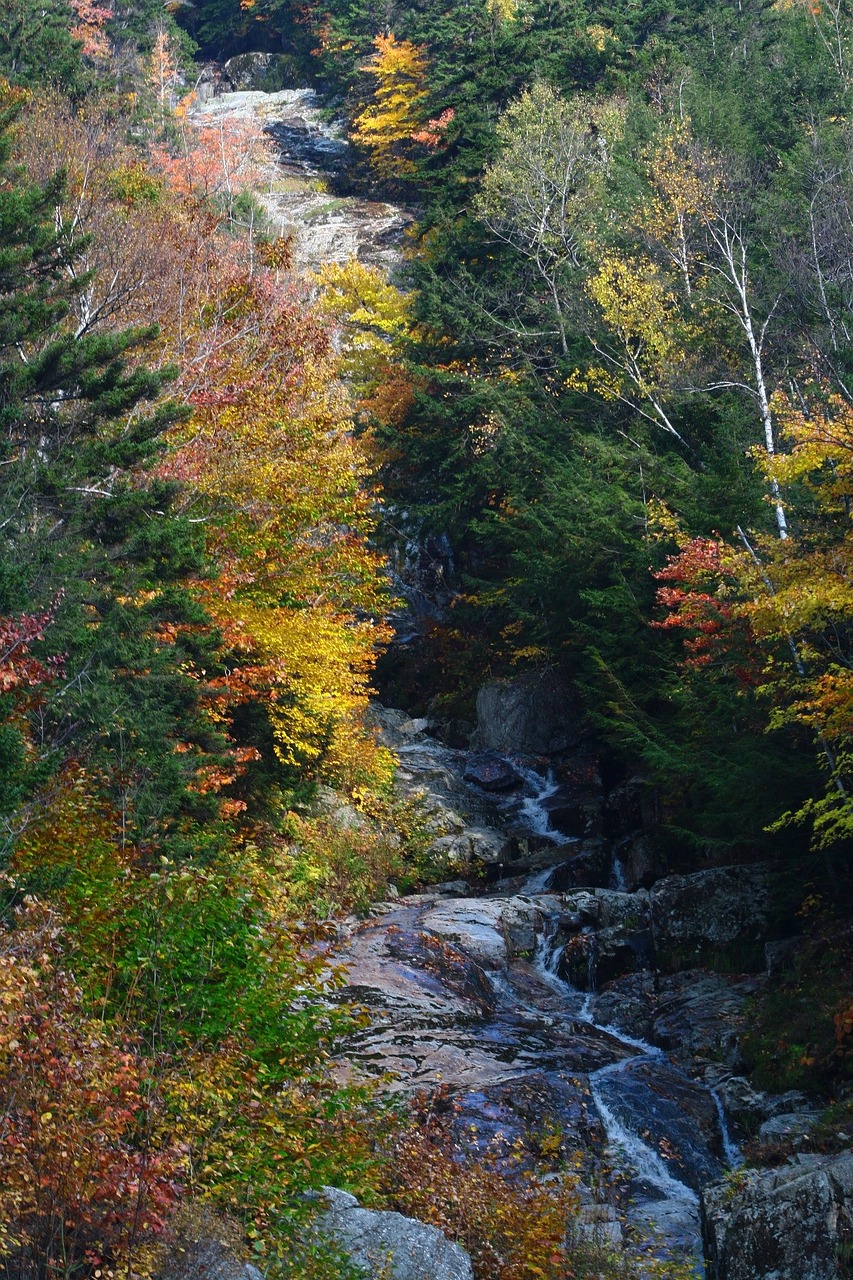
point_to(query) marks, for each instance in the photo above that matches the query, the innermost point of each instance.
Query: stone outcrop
(793, 1223)
(637, 862)
(608, 936)
(701, 1016)
(249, 71)
(389, 1245)
(491, 772)
(713, 908)
(530, 715)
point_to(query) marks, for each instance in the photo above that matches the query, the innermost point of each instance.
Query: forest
(604, 411)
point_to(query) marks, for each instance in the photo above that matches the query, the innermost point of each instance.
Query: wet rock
(388, 1244)
(790, 1127)
(474, 844)
(464, 822)
(395, 728)
(611, 936)
(530, 715)
(491, 772)
(457, 971)
(605, 908)
(637, 863)
(673, 1115)
(701, 1015)
(711, 908)
(439, 1015)
(627, 1004)
(590, 866)
(793, 1223)
(473, 923)
(508, 1121)
(576, 807)
(743, 1104)
(325, 225)
(619, 951)
(571, 814)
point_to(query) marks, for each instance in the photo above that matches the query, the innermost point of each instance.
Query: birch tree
(703, 225)
(541, 194)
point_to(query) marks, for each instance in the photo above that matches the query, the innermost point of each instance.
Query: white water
(546, 962)
(632, 1151)
(540, 882)
(618, 871)
(731, 1150)
(629, 1149)
(532, 811)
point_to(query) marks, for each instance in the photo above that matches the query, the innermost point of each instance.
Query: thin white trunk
(733, 252)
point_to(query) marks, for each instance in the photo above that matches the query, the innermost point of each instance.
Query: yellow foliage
(270, 449)
(681, 193)
(398, 107)
(600, 37)
(501, 11)
(648, 343)
(375, 316)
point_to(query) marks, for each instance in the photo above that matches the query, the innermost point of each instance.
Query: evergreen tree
(37, 47)
(90, 541)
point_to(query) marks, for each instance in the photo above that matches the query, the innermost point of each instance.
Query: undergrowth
(513, 1223)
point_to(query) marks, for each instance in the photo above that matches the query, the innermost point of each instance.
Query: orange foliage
(396, 111)
(80, 1185)
(219, 159)
(91, 21)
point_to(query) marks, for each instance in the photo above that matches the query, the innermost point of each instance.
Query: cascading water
(540, 882)
(532, 812)
(624, 1096)
(734, 1156)
(650, 1168)
(526, 1035)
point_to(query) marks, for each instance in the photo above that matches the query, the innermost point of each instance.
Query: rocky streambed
(543, 1010)
(572, 1012)
(307, 191)
(560, 982)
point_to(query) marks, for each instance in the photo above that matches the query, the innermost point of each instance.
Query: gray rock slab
(377, 1240)
(793, 1223)
(714, 907)
(531, 714)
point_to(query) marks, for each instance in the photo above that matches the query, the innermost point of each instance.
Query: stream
(492, 991)
(493, 995)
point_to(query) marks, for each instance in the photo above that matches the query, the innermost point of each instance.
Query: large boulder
(259, 71)
(389, 1245)
(637, 863)
(491, 772)
(528, 715)
(792, 1223)
(711, 909)
(491, 930)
